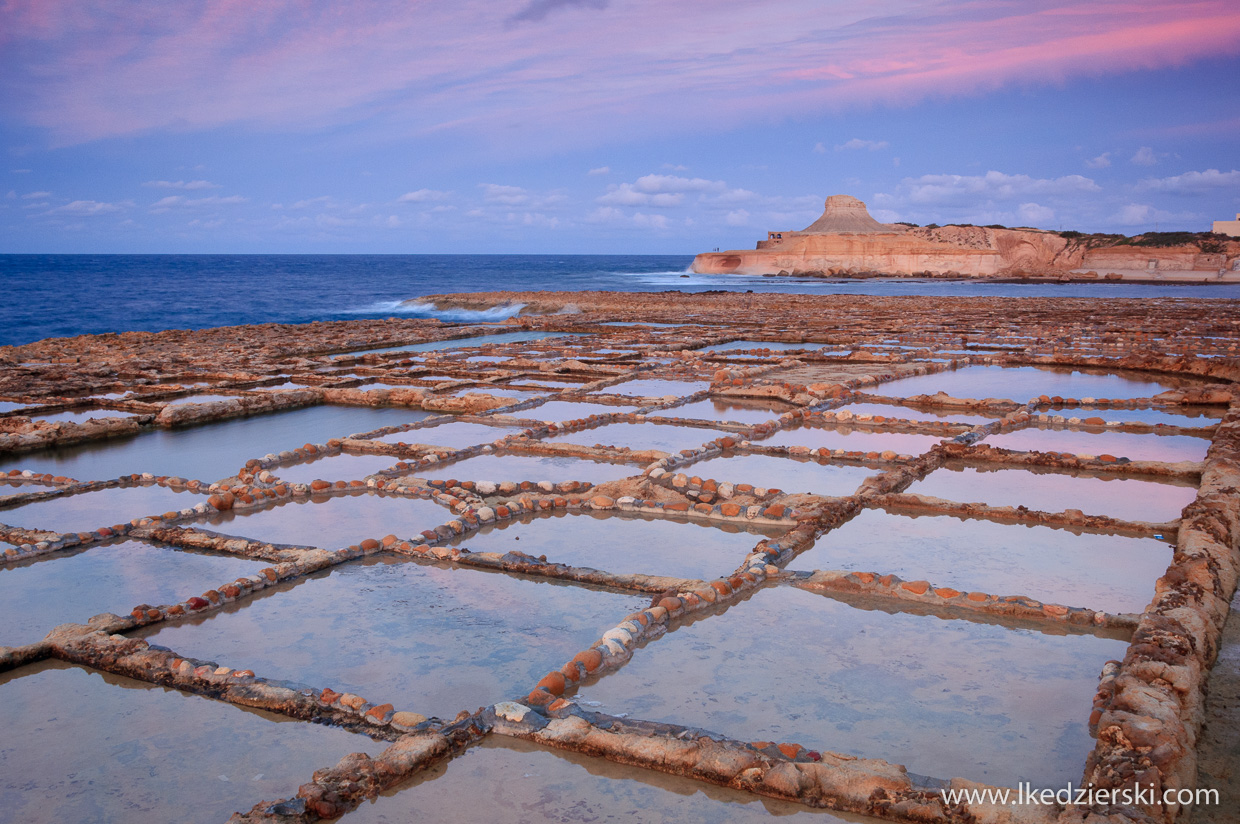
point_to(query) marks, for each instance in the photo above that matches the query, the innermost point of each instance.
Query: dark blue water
(45, 296)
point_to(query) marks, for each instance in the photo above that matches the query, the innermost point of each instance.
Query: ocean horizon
(63, 295)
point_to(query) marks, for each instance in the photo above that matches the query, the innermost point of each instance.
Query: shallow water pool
(88, 511)
(639, 436)
(851, 440)
(514, 781)
(1124, 498)
(625, 544)
(210, 451)
(716, 409)
(1135, 447)
(81, 746)
(333, 522)
(530, 468)
(428, 639)
(1022, 383)
(74, 585)
(945, 698)
(786, 474)
(1102, 572)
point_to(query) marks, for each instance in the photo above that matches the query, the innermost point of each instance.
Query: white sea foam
(429, 310)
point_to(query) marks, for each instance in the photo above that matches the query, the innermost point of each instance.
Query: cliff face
(846, 240)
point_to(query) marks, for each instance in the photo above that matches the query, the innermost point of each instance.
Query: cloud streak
(83, 72)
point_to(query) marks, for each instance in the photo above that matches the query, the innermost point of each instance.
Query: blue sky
(609, 126)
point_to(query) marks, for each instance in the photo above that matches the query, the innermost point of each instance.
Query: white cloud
(606, 214)
(36, 195)
(1144, 157)
(517, 196)
(333, 222)
(90, 207)
(181, 184)
(675, 167)
(508, 195)
(671, 183)
(734, 196)
(660, 191)
(616, 217)
(858, 143)
(20, 171)
(1033, 214)
(819, 148)
(601, 170)
(936, 189)
(626, 194)
(739, 217)
(1100, 162)
(650, 221)
(1191, 182)
(171, 202)
(422, 196)
(322, 200)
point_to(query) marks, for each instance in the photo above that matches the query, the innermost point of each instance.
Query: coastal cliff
(847, 242)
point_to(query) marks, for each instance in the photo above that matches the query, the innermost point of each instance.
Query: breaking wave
(429, 310)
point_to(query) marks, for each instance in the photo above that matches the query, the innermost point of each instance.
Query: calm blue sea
(45, 296)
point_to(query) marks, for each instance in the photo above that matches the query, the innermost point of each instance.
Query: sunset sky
(609, 126)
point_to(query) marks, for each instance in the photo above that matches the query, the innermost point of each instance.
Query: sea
(44, 296)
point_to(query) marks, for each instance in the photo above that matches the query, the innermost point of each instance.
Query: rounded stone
(553, 682)
(591, 659)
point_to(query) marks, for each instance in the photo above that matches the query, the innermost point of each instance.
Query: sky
(603, 126)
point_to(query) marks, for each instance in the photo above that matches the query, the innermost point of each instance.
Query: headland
(847, 242)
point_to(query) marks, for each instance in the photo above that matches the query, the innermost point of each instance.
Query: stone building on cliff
(1228, 227)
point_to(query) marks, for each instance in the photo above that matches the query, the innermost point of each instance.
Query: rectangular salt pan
(528, 783)
(1170, 448)
(341, 467)
(909, 413)
(654, 388)
(427, 639)
(73, 586)
(530, 468)
(87, 511)
(641, 436)
(786, 474)
(625, 545)
(333, 522)
(570, 411)
(851, 440)
(946, 698)
(212, 451)
(774, 346)
(715, 409)
(81, 415)
(453, 435)
(1102, 572)
(84, 746)
(1022, 383)
(1189, 416)
(1124, 498)
(463, 343)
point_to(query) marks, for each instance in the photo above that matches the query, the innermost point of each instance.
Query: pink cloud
(86, 71)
